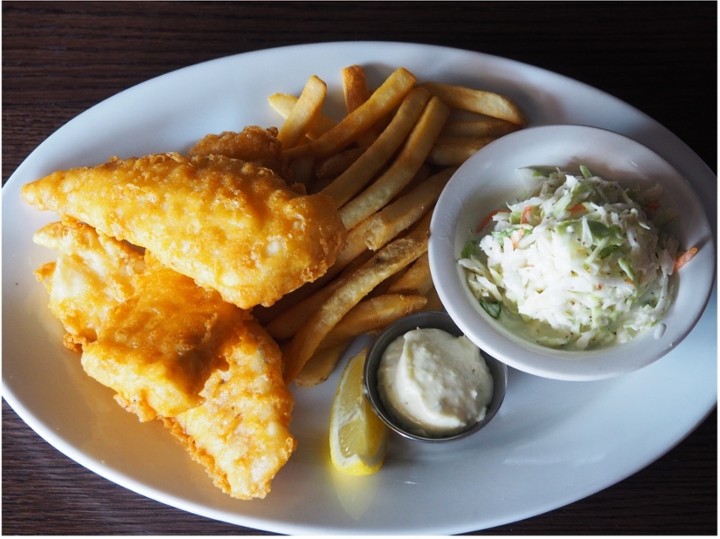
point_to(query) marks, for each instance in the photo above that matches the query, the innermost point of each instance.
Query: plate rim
(247, 520)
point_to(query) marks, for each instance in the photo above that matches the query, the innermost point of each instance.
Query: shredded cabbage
(577, 265)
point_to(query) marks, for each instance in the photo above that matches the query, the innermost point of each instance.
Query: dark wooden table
(59, 58)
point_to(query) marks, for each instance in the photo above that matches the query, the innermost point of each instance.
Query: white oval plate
(547, 447)
(498, 174)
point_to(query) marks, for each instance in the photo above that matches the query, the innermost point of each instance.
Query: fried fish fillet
(230, 225)
(175, 351)
(253, 143)
(159, 347)
(240, 432)
(208, 370)
(92, 274)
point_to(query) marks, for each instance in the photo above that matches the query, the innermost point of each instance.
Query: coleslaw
(580, 264)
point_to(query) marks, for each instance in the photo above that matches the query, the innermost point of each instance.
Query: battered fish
(240, 433)
(174, 351)
(159, 347)
(230, 225)
(92, 274)
(253, 143)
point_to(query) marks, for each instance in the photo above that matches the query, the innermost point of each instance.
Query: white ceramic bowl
(494, 176)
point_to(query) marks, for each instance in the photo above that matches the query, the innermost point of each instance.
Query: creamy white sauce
(434, 382)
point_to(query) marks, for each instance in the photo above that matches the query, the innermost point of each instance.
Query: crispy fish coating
(92, 274)
(230, 225)
(253, 143)
(175, 351)
(240, 433)
(158, 348)
(208, 370)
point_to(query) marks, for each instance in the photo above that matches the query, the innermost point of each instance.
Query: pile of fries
(384, 163)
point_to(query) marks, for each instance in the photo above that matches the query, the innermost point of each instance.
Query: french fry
(405, 211)
(401, 171)
(355, 245)
(284, 103)
(386, 262)
(359, 174)
(355, 91)
(355, 88)
(451, 151)
(479, 101)
(382, 101)
(303, 113)
(423, 173)
(402, 214)
(331, 167)
(320, 366)
(380, 165)
(372, 313)
(482, 126)
(285, 323)
(288, 322)
(417, 279)
(421, 227)
(369, 315)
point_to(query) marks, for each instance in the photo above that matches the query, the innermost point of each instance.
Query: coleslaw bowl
(497, 175)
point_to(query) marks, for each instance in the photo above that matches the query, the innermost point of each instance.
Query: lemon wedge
(357, 436)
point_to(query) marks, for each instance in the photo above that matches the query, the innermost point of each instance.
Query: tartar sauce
(434, 382)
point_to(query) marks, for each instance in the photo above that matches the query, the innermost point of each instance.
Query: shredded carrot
(685, 257)
(577, 208)
(525, 218)
(482, 224)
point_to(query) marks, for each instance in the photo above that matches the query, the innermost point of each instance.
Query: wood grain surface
(60, 58)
